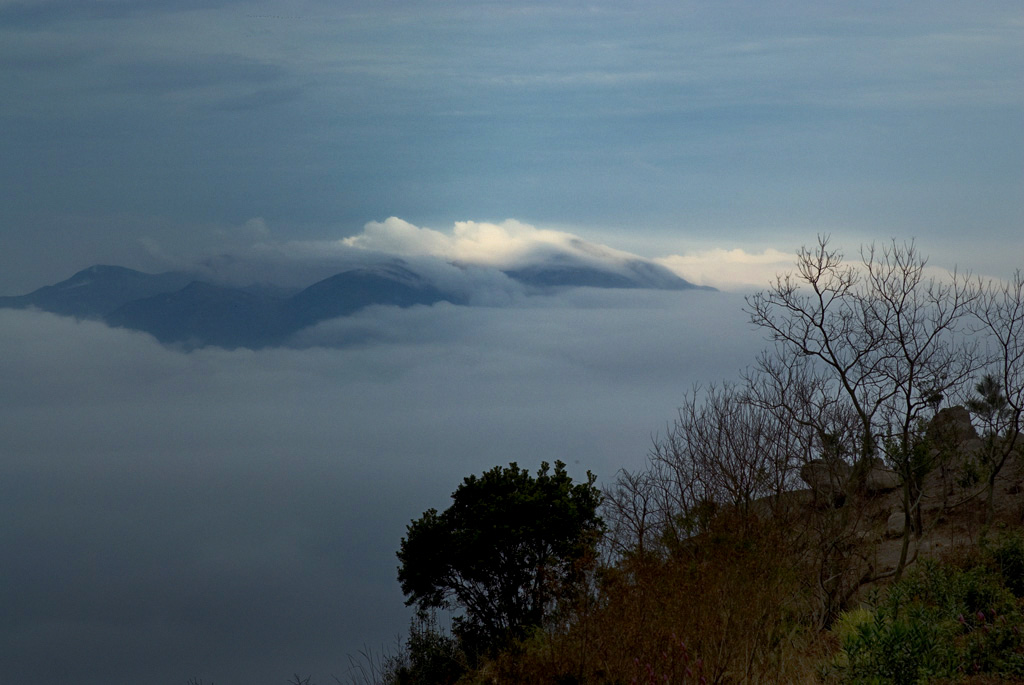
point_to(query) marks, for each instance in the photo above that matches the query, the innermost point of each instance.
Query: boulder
(826, 478)
(881, 478)
(894, 524)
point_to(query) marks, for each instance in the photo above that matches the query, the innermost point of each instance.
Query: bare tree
(821, 424)
(880, 337)
(927, 356)
(824, 431)
(863, 356)
(738, 449)
(636, 510)
(1000, 402)
(819, 317)
(721, 451)
(730, 451)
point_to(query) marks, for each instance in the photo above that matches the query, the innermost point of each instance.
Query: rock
(894, 524)
(951, 426)
(826, 478)
(881, 479)
(972, 446)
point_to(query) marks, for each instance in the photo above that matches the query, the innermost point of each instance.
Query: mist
(234, 515)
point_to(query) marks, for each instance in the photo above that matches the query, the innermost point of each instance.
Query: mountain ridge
(184, 308)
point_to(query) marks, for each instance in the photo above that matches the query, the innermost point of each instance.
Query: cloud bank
(234, 515)
(506, 245)
(469, 257)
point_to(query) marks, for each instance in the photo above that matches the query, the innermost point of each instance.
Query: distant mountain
(97, 291)
(177, 308)
(350, 291)
(203, 314)
(564, 272)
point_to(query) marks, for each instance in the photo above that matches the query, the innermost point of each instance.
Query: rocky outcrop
(826, 479)
(971, 447)
(952, 426)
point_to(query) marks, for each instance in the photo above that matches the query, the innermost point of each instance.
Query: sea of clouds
(234, 515)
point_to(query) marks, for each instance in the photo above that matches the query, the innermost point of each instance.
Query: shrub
(895, 650)
(938, 622)
(1007, 553)
(430, 656)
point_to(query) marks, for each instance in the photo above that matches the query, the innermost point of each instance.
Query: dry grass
(739, 603)
(726, 607)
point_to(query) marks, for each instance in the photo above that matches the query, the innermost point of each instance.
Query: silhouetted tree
(508, 547)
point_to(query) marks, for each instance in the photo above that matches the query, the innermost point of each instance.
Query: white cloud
(469, 256)
(508, 244)
(400, 237)
(470, 251)
(734, 269)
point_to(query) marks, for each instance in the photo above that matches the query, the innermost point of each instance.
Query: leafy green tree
(990, 405)
(992, 408)
(508, 547)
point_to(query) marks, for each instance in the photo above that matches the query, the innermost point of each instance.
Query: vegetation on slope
(719, 565)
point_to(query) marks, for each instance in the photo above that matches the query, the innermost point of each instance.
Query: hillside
(822, 520)
(775, 594)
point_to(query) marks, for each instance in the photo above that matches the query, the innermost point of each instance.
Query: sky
(147, 132)
(233, 515)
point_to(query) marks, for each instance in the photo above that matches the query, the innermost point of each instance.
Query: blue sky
(147, 132)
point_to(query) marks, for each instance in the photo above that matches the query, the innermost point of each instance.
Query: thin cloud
(738, 270)
(36, 14)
